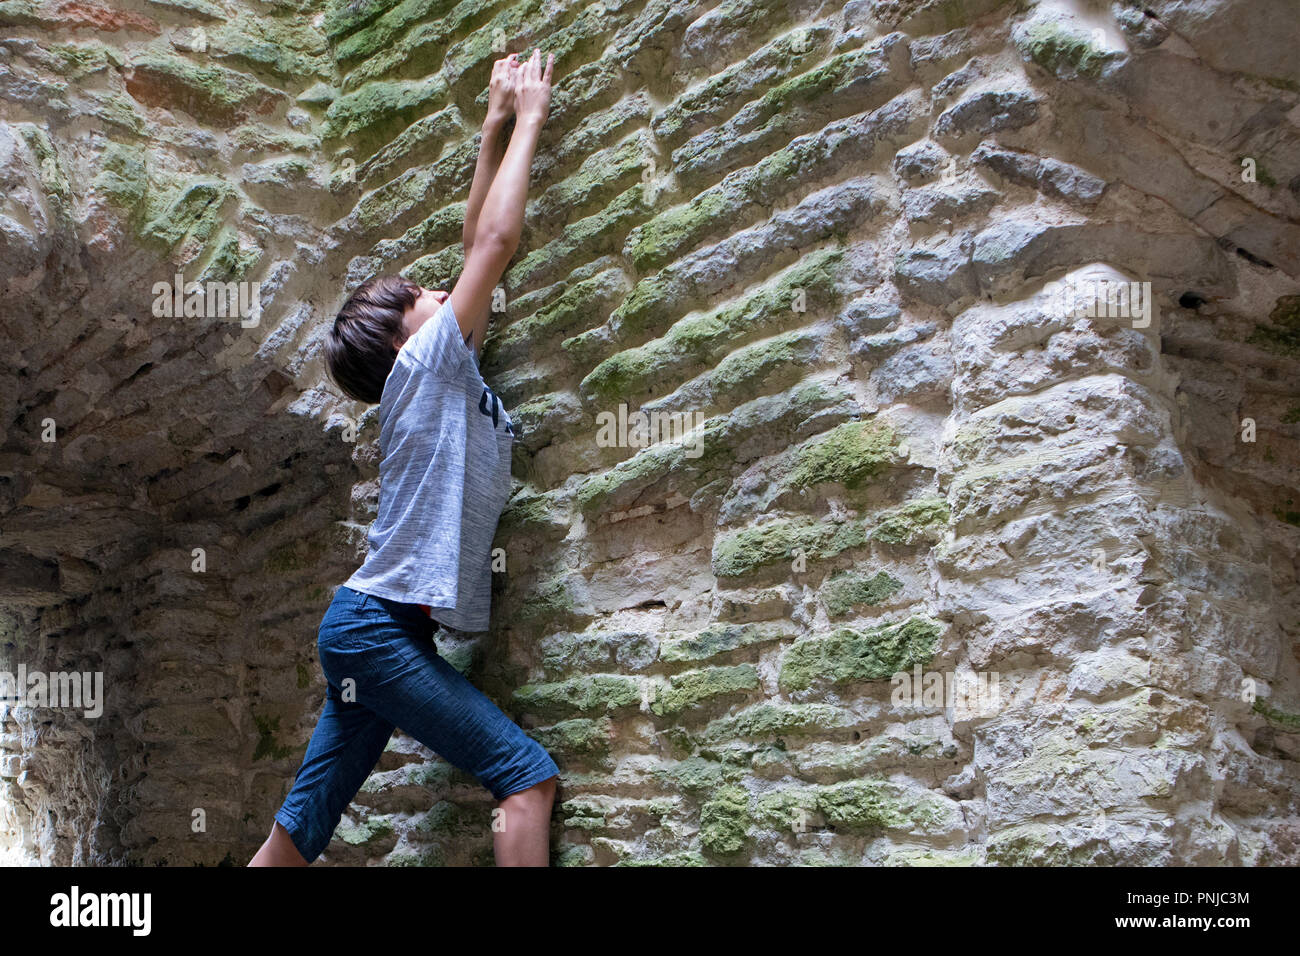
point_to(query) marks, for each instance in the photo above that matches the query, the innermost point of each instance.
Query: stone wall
(835, 236)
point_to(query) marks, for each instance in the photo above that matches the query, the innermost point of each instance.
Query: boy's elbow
(497, 245)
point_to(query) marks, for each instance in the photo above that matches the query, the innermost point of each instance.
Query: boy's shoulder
(438, 346)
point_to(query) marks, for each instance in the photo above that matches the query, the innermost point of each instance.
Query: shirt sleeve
(438, 344)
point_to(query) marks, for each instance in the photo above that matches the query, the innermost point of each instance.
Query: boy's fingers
(536, 63)
(550, 62)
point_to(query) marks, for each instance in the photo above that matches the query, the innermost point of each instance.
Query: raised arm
(499, 223)
(501, 103)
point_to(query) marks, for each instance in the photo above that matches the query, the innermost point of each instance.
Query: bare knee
(278, 850)
(539, 794)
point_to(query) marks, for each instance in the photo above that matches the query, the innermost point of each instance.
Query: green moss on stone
(724, 821)
(580, 815)
(1061, 51)
(203, 90)
(1282, 334)
(373, 828)
(575, 855)
(848, 654)
(267, 748)
(780, 360)
(773, 720)
(443, 227)
(581, 735)
(1038, 845)
(288, 47)
(653, 298)
(773, 542)
(589, 237)
(18, 12)
(709, 99)
(461, 658)
(666, 464)
(583, 303)
(912, 521)
(260, 138)
(1262, 175)
(1288, 720)
(817, 84)
(666, 236)
(49, 170)
(847, 590)
(231, 261)
(930, 858)
(434, 776)
(448, 819)
(433, 270)
(849, 454)
(671, 859)
(605, 692)
(77, 62)
(635, 471)
(699, 774)
(690, 688)
(714, 640)
(533, 513)
(608, 171)
(857, 806)
(549, 601)
(344, 16)
(380, 108)
(192, 211)
(115, 109)
(285, 558)
(432, 856)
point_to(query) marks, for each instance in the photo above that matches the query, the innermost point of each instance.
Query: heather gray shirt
(444, 477)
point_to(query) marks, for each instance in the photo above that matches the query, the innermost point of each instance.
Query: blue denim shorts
(384, 671)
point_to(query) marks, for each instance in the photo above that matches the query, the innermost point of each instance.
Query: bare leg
(278, 850)
(523, 837)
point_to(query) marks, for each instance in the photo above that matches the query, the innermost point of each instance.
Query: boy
(444, 478)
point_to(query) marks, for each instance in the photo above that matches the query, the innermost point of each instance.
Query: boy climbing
(445, 442)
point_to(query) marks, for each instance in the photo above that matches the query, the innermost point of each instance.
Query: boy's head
(373, 324)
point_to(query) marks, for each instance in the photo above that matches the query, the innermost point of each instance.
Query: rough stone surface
(828, 233)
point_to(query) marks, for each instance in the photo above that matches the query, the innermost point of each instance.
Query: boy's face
(429, 302)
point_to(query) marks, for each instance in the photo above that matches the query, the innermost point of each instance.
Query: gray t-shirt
(444, 478)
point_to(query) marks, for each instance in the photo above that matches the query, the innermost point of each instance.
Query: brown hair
(362, 346)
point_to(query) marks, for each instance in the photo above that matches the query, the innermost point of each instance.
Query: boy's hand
(533, 87)
(501, 89)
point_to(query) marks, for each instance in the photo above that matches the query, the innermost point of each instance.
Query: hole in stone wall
(1190, 300)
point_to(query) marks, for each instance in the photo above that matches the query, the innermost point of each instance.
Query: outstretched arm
(501, 103)
(500, 221)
